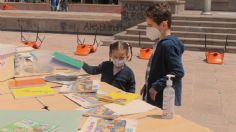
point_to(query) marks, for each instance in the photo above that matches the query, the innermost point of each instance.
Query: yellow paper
(32, 91)
(119, 97)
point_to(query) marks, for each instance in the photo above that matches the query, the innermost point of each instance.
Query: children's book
(32, 91)
(100, 111)
(25, 66)
(62, 121)
(81, 85)
(75, 89)
(65, 89)
(26, 83)
(87, 86)
(93, 124)
(134, 107)
(131, 125)
(86, 100)
(62, 65)
(121, 98)
(29, 126)
(67, 60)
(62, 79)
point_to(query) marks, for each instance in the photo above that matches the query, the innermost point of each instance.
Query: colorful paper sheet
(32, 91)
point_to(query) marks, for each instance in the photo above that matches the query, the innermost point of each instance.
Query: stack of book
(66, 61)
(100, 111)
(94, 124)
(86, 100)
(30, 88)
(121, 98)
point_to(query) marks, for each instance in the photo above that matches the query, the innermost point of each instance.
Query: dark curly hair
(159, 12)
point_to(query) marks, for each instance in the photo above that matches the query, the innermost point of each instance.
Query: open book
(100, 111)
(36, 91)
(66, 61)
(28, 126)
(86, 100)
(26, 83)
(94, 124)
(121, 98)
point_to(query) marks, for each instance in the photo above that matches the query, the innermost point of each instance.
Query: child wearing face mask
(166, 58)
(115, 72)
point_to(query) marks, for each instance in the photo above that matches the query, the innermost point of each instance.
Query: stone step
(134, 31)
(204, 18)
(204, 29)
(192, 47)
(200, 41)
(131, 37)
(142, 25)
(202, 35)
(133, 43)
(224, 24)
(61, 22)
(198, 29)
(215, 48)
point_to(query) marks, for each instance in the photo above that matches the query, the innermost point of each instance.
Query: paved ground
(209, 91)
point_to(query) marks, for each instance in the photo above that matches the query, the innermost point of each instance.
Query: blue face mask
(118, 63)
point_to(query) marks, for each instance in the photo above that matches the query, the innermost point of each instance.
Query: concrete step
(197, 29)
(224, 24)
(201, 35)
(215, 48)
(59, 15)
(61, 22)
(204, 18)
(134, 31)
(199, 41)
(131, 37)
(191, 31)
(133, 43)
(191, 47)
(204, 29)
(142, 25)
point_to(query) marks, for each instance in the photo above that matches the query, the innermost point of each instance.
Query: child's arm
(131, 87)
(94, 70)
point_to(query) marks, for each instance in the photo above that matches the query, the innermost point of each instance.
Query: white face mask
(118, 63)
(153, 33)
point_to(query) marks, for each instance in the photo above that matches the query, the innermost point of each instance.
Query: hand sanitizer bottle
(168, 99)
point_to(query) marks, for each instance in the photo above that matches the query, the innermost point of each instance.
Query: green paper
(67, 121)
(28, 126)
(68, 60)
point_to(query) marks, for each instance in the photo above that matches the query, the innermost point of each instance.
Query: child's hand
(80, 60)
(142, 90)
(153, 93)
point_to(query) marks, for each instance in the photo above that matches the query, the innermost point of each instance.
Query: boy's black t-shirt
(123, 80)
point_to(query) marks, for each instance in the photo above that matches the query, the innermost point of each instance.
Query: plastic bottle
(168, 99)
